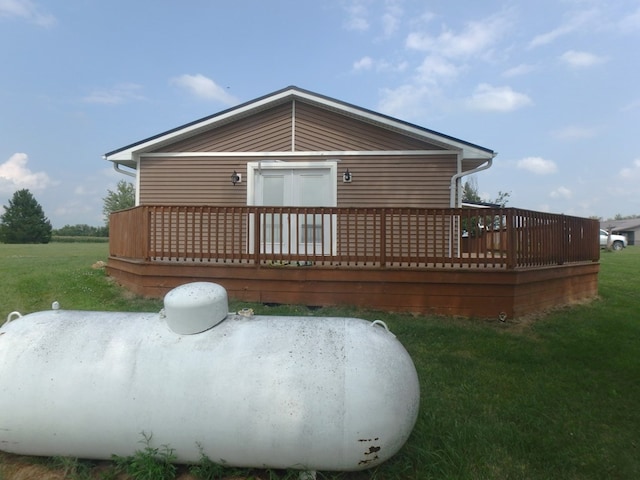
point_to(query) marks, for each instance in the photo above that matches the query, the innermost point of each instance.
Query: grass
(554, 397)
(34, 276)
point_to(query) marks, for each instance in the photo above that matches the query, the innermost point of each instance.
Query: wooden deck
(463, 262)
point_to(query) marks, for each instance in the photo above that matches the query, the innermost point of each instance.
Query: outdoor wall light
(236, 177)
(347, 177)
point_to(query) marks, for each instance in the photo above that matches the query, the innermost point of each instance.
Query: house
(368, 205)
(629, 227)
(283, 142)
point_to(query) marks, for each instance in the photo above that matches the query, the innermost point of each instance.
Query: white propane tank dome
(195, 307)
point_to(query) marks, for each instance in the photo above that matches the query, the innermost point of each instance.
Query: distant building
(630, 228)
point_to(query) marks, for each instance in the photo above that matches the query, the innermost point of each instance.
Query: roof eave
(470, 151)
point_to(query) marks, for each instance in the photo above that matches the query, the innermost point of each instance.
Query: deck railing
(376, 237)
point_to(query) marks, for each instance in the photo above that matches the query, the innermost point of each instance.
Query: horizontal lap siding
(407, 181)
(265, 131)
(192, 181)
(318, 129)
(378, 180)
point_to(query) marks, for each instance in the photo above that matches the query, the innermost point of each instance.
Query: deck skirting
(467, 292)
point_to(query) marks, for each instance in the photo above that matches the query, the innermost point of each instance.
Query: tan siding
(262, 132)
(413, 181)
(318, 129)
(410, 181)
(191, 181)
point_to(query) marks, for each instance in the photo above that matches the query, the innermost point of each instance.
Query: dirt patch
(16, 467)
(20, 467)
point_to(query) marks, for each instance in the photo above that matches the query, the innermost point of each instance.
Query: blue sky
(553, 86)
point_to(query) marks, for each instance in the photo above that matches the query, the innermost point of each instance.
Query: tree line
(24, 220)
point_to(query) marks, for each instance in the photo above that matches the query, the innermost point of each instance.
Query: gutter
(454, 180)
(117, 168)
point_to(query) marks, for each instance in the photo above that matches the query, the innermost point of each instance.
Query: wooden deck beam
(454, 291)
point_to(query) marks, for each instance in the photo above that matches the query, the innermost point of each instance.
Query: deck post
(145, 234)
(256, 239)
(383, 238)
(511, 240)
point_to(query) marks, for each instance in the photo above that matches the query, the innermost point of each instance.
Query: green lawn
(556, 397)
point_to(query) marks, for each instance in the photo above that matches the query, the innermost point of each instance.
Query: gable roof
(126, 153)
(621, 225)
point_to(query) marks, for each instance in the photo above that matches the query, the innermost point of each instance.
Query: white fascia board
(446, 142)
(124, 156)
(194, 128)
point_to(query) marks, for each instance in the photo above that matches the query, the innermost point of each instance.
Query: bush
(74, 239)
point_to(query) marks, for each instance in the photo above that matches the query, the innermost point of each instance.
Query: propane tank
(312, 393)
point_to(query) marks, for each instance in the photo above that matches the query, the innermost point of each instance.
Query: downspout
(454, 191)
(454, 180)
(134, 174)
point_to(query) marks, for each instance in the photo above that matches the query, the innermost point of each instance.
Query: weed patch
(150, 463)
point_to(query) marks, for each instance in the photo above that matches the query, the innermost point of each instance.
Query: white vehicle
(618, 242)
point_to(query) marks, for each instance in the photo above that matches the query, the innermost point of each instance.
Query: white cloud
(27, 10)
(580, 59)
(356, 17)
(575, 22)
(538, 165)
(474, 39)
(365, 63)
(544, 207)
(631, 173)
(435, 68)
(407, 101)
(204, 87)
(391, 19)
(497, 99)
(631, 22)
(15, 175)
(561, 192)
(119, 94)
(632, 105)
(519, 70)
(448, 54)
(574, 132)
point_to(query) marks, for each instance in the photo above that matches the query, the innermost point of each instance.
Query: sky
(552, 86)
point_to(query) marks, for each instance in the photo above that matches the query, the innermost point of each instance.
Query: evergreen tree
(24, 221)
(470, 191)
(123, 197)
(470, 194)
